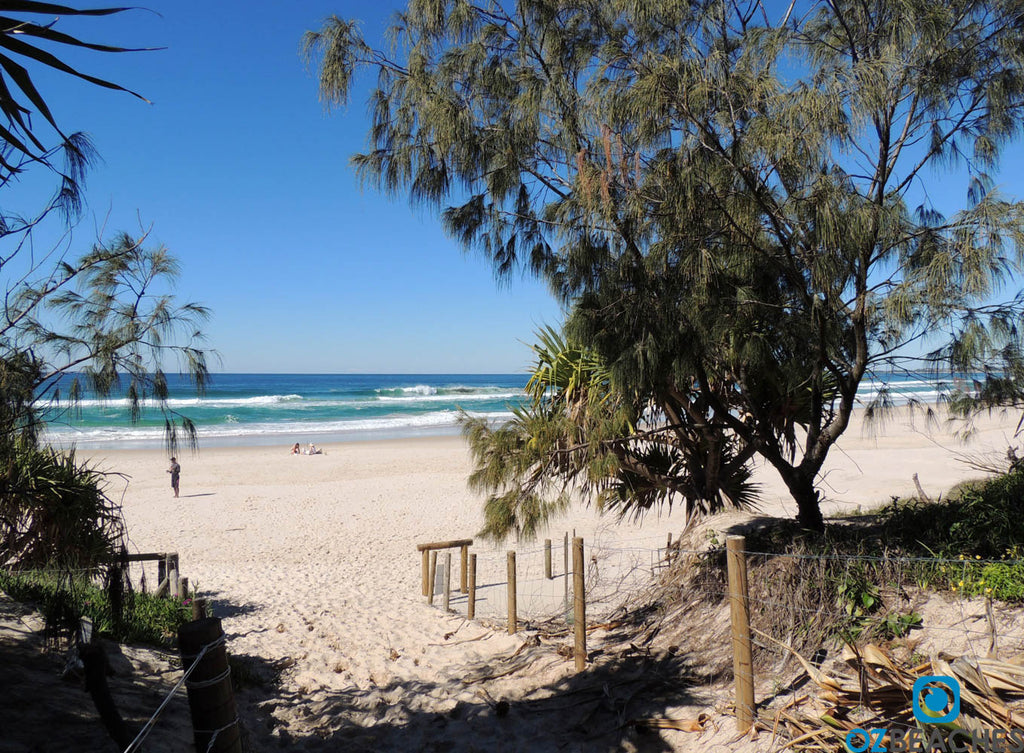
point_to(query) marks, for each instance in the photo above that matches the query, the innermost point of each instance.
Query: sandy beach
(311, 562)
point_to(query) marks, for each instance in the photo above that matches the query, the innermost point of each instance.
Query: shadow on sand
(600, 709)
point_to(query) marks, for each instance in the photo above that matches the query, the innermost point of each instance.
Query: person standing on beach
(175, 471)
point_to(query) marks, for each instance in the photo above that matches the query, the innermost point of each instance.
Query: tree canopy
(28, 36)
(107, 320)
(731, 198)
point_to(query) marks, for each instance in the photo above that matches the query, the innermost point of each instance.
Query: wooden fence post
(447, 580)
(183, 585)
(464, 561)
(425, 575)
(471, 608)
(512, 619)
(198, 609)
(433, 576)
(547, 559)
(739, 611)
(579, 604)
(210, 696)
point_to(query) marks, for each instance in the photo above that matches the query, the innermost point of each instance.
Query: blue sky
(242, 174)
(245, 178)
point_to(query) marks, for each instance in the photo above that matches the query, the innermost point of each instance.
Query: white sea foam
(292, 402)
(450, 398)
(261, 401)
(394, 424)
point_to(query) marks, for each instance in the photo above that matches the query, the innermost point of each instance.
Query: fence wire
(803, 607)
(613, 573)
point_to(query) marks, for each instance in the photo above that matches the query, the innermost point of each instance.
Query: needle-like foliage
(107, 320)
(732, 199)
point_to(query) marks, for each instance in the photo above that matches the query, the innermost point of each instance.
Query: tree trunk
(808, 501)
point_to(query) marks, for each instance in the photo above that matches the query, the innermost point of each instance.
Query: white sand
(312, 562)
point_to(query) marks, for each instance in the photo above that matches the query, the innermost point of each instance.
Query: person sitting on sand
(314, 450)
(295, 449)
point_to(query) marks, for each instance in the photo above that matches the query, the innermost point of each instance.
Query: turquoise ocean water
(266, 409)
(263, 409)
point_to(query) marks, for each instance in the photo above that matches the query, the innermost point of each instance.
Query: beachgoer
(175, 471)
(313, 450)
(295, 449)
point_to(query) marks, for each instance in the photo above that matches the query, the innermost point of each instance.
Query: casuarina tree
(106, 319)
(736, 201)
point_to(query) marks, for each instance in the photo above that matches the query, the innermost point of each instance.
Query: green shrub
(147, 619)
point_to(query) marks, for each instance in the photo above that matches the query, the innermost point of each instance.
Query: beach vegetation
(106, 321)
(31, 136)
(577, 434)
(731, 200)
(142, 618)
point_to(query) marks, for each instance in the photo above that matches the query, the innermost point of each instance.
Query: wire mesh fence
(833, 633)
(544, 578)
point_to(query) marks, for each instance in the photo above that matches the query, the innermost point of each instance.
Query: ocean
(270, 409)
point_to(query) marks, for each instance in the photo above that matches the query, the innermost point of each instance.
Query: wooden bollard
(579, 603)
(210, 695)
(426, 571)
(513, 625)
(547, 559)
(739, 612)
(464, 562)
(447, 579)
(471, 606)
(183, 586)
(433, 576)
(668, 548)
(198, 609)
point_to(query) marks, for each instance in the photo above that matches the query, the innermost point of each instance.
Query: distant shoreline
(269, 440)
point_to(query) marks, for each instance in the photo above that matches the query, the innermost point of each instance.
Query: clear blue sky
(243, 175)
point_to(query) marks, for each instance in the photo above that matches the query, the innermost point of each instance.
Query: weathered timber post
(739, 611)
(426, 571)
(547, 559)
(463, 568)
(447, 580)
(198, 609)
(579, 604)
(471, 607)
(183, 586)
(512, 619)
(668, 548)
(210, 696)
(433, 576)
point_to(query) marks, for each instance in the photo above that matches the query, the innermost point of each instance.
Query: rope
(148, 726)
(199, 684)
(216, 732)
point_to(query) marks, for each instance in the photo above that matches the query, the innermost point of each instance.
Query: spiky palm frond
(578, 437)
(54, 512)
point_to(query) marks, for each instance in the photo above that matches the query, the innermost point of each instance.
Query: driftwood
(920, 492)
